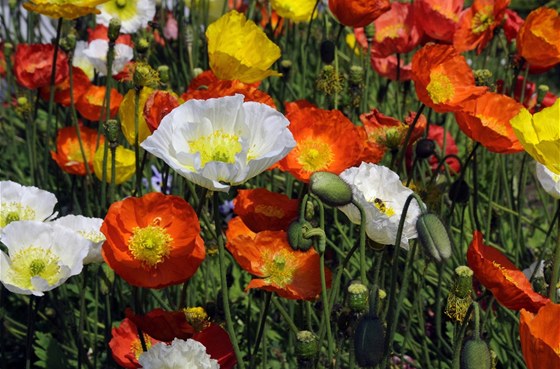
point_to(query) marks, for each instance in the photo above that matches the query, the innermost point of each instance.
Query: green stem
(552, 292)
(262, 323)
(31, 314)
(363, 274)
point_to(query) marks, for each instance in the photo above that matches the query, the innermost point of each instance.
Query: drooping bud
(114, 29)
(328, 49)
(330, 189)
(358, 297)
(309, 210)
(459, 191)
(460, 294)
(297, 241)
(369, 341)
(475, 355)
(425, 148)
(433, 237)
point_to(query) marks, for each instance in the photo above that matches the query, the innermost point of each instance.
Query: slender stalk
(31, 315)
(552, 294)
(262, 323)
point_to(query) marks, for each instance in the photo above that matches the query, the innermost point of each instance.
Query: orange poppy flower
(358, 13)
(537, 41)
(126, 346)
(158, 105)
(540, 337)
(438, 18)
(68, 153)
(153, 241)
(326, 141)
(387, 67)
(33, 65)
(507, 283)
(267, 255)
(442, 78)
(486, 120)
(90, 104)
(263, 210)
(477, 23)
(162, 325)
(62, 90)
(271, 19)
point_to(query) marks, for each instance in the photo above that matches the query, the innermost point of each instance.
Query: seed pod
(425, 148)
(475, 355)
(369, 341)
(295, 235)
(330, 188)
(307, 344)
(433, 237)
(459, 191)
(358, 297)
(327, 51)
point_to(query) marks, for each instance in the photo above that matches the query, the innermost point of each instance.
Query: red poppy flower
(267, 255)
(263, 210)
(387, 67)
(358, 13)
(33, 65)
(218, 345)
(81, 84)
(126, 346)
(512, 24)
(538, 42)
(153, 241)
(442, 78)
(486, 120)
(540, 337)
(90, 104)
(162, 325)
(529, 91)
(507, 283)
(158, 105)
(68, 153)
(438, 18)
(326, 141)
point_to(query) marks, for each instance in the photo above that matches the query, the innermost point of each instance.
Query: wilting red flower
(538, 42)
(395, 31)
(267, 255)
(68, 153)
(442, 78)
(477, 23)
(33, 65)
(153, 241)
(446, 147)
(90, 104)
(512, 24)
(126, 346)
(358, 13)
(263, 210)
(162, 325)
(486, 120)
(507, 283)
(62, 90)
(438, 18)
(540, 337)
(326, 141)
(218, 345)
(158, 105)
(387, 67)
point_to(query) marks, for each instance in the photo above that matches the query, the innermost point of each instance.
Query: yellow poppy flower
(68, 9)
(125, 164)
(296, 10)
(540, 135)
(239, 49)
(126, 115)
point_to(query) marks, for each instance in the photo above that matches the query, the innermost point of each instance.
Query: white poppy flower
(381, 193)
(19, 202)
(180, 354)
(133, 14)
(89, 229)
(39, 257)
(221, 142)
(548, 180)
(81, 60)
(97, 55)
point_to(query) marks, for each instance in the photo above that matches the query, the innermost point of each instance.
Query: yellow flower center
(382, 207)
(122, 9)
(314, 155)
(92, 236)
(13, 211)
(279, 267)
(218, 146)
(197, 317)
(482, 20)
(270, 211)
(440, 87)
(391, 31)
(151, 244)
(136, 346)
(32, 262)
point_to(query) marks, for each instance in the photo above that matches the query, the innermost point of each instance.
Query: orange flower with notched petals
(442, 78)
(90, 104)
(157, 106)
(263, 210)
(326, 141)
(153, 241)
(540, 337)
(358, 13)
(537, 41)
(267, 255)
(438, 18)
(69, 156)
(486, 120)
(62, 96)
(125, 344)
(508, 284)
(33, 65)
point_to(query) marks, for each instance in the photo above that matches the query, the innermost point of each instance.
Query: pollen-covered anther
(151, 245)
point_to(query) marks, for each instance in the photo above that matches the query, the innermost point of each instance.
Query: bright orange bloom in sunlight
(33, 65)
(90, 104)
(442, 78)
(68, 153)
(157, 106)
(477, 23)
(162, 325)
(153, 241)
(537, 41)
(125, 344)
(507, 283)
(263, 210)
(540, 337)
(326, 141)
(486, 120)
(62, 90)
(358, 13)
(438, 18)
(267, 255)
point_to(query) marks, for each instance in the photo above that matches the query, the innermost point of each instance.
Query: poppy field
(280, 184)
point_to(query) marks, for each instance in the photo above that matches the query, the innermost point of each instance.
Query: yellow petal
(126, 115)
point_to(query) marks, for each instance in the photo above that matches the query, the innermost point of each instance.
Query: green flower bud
(433, 237)
(356, 75)
(8, 49)
(483, 77)
(369, 341)
(296, 230)
(327, 49)
(145, 75)
(358, 297)
(142, 45)
(307, 344)
(68, 43)
(309, 210)
(330, 189)
(475, 355)
(112, 129)
(114, 29)
(163, 71)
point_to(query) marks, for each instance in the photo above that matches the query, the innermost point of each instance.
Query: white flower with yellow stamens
(39, 258)
(549, 180)
(133, 14)
(88, 228)
(381, 193)
(216, 143)
(19, 202)
(179, 354)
